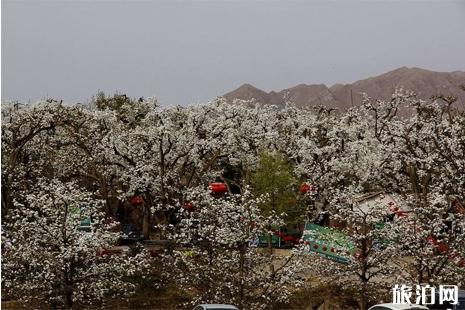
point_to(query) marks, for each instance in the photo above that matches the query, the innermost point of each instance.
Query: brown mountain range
(423, 82)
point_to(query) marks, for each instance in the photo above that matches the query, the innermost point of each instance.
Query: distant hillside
(423, 82)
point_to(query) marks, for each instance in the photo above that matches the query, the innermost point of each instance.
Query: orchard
(209, 180)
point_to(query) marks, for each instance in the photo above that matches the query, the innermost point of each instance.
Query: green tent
(84, 221)
(275, 240)
(327, 242)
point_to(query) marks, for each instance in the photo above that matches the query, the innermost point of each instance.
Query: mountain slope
(424, 83)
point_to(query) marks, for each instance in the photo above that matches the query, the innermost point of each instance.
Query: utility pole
(351, 98)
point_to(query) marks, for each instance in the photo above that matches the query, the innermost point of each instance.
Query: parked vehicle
(398, 307)
(215, 307)
(131, 234)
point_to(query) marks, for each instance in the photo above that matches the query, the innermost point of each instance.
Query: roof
(370, 201)
(218, 306)
(401, 307)
(366, 196)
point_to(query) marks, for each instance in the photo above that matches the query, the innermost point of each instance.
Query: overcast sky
(186, 52)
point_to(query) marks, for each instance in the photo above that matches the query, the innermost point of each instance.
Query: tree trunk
(363, 302)
(146, 221)
(270, 253)
(242, 264)
(363, 298)
(412, 171)
(69, 297)
(67, 290)
(7, 200)
(270, 244)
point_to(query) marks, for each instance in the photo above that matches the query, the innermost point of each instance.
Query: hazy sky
(185, 52)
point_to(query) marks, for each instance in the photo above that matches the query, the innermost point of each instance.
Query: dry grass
(170, 298)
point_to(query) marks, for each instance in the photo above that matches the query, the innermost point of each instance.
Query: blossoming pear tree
(220, 262)
(51, 261)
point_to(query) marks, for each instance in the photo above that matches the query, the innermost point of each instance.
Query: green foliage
(128, 110)
(115, 102)
(275, 178)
